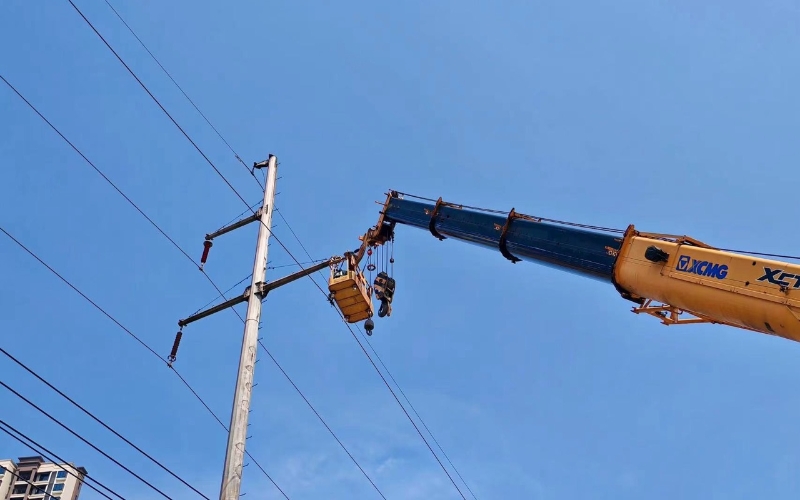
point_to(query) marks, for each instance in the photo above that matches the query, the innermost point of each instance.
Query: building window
(20, 489)
(2, 470)
(42, 477)
(58, 487)
(24, 476)
(62, 474)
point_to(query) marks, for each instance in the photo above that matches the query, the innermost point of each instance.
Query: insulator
(391, 261)
(369, 251)
(206, 247)
(174, 353)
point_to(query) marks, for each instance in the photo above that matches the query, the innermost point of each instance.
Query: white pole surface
(234, 455)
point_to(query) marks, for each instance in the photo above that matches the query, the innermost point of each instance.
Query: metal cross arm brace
(262, 289)
(207, 244)
(236, 225)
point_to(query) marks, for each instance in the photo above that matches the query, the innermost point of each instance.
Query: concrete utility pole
(234, 455)
(253, 295)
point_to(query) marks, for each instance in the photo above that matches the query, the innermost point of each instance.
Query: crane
(676, 279)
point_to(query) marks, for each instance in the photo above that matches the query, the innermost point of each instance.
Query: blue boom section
(585, 252)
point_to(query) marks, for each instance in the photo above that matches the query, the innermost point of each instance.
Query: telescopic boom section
(676, 279)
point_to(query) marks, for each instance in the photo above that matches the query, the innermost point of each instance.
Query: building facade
(31, 478)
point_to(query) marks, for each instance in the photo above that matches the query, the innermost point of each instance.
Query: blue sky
(674, 116)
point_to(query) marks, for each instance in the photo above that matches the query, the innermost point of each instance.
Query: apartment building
(31, 478)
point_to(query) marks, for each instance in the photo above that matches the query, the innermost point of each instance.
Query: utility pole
(234, 454)
(253, 295)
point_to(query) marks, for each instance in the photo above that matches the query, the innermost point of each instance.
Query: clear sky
(675, 116)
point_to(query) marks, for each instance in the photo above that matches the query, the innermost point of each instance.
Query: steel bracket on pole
(262, 289)
(236, 225)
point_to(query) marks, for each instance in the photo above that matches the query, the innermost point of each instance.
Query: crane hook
(369, 325)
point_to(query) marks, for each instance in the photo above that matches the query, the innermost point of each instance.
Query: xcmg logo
(778, 277)
(687, 264)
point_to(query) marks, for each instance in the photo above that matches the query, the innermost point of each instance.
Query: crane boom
(676, 279)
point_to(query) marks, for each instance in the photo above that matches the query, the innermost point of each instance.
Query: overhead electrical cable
(181, 129)
(43, 452)
(109, 181)
(415, 411)
(299, 391)
(109, 316)
(402, 407)
(323, 421)
(163, 233)
(246, 204)
(239, 158)
(15, 474)
(96, 419)
(86, 441)
(159, 104)
(615, 230)
(170, 239)
(350, 328)
(103, 175)
(579, 225)
(388, 386)
(390, 375)
(129, 332)
(222, 295)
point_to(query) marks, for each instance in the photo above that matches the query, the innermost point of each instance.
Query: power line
(322, 420)
(309, 404)
(316, 261)
(75, 148)
(376, 369)
(90, 414)
(248, 209)
(163, 233)
(109, 181)
(20, 478)
(109, 316)
(390, 375)
(381, 374)
(416, 413)
(151, 221)
(222, 294)
(68, 429)
(44, 453)
(280, 214)
(179, 127)
(158, 102)
(238, 195)
(129, 332)
(401, 405)
(184, 93)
